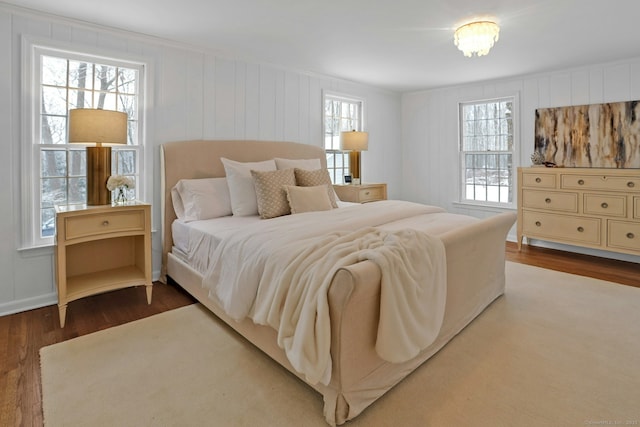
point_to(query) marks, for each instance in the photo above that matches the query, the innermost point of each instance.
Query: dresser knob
(631, 184)
(105, 223)
(604, 205)
(547, 200)
(366, 193)
(581, 181)
(630, 235)
(538, 180)
(580, 229)
(538, 223)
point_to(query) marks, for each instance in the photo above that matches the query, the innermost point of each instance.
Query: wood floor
(23, 334)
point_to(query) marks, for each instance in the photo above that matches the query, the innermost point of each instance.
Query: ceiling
(401, 45)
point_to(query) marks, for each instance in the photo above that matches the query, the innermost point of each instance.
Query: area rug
(555, 350)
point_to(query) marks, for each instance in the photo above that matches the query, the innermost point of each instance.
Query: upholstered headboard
(201, 159)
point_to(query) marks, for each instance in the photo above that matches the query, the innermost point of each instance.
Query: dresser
(594, 208)
(100, 249)
(361, 193)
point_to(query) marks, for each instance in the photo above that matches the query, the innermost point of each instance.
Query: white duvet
(278, 271)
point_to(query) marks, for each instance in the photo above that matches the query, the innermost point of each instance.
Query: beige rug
(555, 350)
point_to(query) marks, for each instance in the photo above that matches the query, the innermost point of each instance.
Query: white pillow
(307, 164)
(308, 199)
(243, 194)
(196, 199)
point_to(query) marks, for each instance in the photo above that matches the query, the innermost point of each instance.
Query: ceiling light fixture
(476, 37)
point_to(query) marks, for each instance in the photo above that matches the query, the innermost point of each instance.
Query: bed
(473, 259)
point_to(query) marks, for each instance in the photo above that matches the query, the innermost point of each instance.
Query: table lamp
(354, 142)
(91, 126)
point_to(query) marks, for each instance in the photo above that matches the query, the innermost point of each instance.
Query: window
(340, 114)
(63, 81)
(486, 146)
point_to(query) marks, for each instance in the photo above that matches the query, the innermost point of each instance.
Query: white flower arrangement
(119, 181)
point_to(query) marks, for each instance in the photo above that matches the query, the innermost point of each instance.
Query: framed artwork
(589, 136)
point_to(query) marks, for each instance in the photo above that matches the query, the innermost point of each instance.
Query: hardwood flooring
(23, 334)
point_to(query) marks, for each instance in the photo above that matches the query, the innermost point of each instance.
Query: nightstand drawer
(371, 194)
(565, 227)
(555, 201)
(101, 223)
(625, 235)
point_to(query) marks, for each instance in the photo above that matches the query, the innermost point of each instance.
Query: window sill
(485, 208)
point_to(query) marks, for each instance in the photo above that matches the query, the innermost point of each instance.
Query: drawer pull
(547, 200)
(105, 223)
(581, 181)
(631, 184)
(538, 180)
(538, 223)
(366, 193)
(604, 205)
(580, 229)
(630, 235)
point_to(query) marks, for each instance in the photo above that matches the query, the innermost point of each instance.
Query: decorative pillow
(307, 164)
(308, 199)
(271, 197)
(241, 189)
(196, 199)
(312, 178)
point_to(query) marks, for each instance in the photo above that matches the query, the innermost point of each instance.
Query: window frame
(31, 163)
(515, 122)
(334, 96)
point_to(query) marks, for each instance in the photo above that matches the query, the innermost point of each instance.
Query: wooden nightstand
(361, 193)
(100, 249)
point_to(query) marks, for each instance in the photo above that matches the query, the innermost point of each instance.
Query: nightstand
(100, 249)
(361, 193)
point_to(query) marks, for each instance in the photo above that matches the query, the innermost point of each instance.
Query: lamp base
(354, 166)
(98, 172)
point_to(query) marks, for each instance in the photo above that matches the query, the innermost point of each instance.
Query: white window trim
(515, 161)
(344, 97)
(30, 95)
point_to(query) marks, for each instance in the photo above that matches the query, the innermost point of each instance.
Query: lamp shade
(354, 141)
(90, 126)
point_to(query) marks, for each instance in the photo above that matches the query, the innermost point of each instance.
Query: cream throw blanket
(284, 283)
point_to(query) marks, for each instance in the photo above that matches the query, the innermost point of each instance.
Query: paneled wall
(191, 94)
(430, 124)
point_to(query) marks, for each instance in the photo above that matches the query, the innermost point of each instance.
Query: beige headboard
(201, 159)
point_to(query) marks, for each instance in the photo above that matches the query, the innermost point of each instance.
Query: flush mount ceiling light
(476, 37)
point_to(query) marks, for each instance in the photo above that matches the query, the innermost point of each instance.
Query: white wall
(430, 126)
(193, 94)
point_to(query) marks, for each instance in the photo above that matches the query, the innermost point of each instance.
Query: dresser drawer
(555, 201)
(538, 180)
(624, 235)
(561, 227)
(600, 182)
(101, 223)
(600, 204)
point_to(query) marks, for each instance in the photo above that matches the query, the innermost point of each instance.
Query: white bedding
(254, 258)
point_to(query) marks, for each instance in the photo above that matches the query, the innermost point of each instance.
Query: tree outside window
(486, 145)
(67, 81)
(341, 114)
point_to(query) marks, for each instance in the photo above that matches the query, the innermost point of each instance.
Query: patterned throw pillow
(312, 178)
(270, 192)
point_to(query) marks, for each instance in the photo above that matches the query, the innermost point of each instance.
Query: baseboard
(28, 304)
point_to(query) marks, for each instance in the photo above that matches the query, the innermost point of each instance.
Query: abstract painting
(590, 136)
